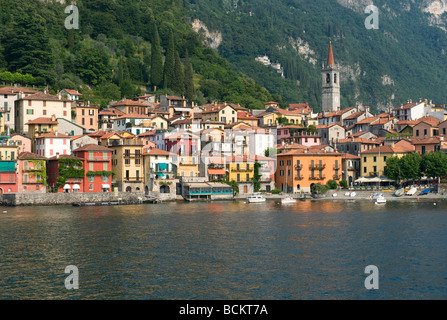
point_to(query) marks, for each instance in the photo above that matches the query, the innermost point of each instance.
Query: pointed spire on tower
(330, 57)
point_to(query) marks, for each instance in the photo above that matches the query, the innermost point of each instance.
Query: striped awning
(216, 171)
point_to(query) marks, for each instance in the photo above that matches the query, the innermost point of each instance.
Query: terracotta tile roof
(92, 147)
(117, 111)
(16, 90)
(431, 140)
(41, 120)
(97, 134)
(157, 152)
(358, 134)
(107, 135)
(246, 115)
(106, 113)
(432, 121)
(127, 102)
(53, 135)
(182, 135)
(40, 96)
(407, 106)
(64, 156)
(271, 102)
(400, 147)
(407, 122)
(302, 107)
(367, 120)
(132, 116)
(355, 115)
(73, 92)
(330, 56)
(350, 156)
(358, 140)
(77, 137)
(147, 134)
(175, 98)
(30, 156)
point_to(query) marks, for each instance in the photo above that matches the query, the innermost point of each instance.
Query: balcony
(131, 155)
(336, 167)
(242, 170)
(373, 174)
(99, 159)
(317, 177)
(133, 179)
(336, 177)
(299, 177)
(317, 166)
(299, 167)
(351, 168)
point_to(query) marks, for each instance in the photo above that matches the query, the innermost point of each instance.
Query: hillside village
(169, 146)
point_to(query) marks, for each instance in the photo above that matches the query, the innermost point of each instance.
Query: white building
(70, 94)
(8, 97)
(40, 104)
(53, 143)
(122, 123)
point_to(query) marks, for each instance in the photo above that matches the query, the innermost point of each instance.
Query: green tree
(256, 177)
(169, 67)
(343, 184)
(27, 47)
(178, 83)
(332, 184)
(392, 169)
(93, 66)
(189, 84)
(434, 164)
(269, 152)
(156, 73)
(410, 166)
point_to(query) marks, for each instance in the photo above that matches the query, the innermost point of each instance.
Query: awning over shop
(216, 171)
(106, 186)
(163, 166)
(67, 186)
(160, 174)
(76, 187)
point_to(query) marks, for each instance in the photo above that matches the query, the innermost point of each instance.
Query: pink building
(31, 173)
(25, 145)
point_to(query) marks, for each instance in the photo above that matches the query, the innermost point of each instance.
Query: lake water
(225, 250)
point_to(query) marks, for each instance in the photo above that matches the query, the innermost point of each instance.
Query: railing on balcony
(373, 174)
(99, 158)
(133, 179)
(299, 177)
(317, 177)
(336, 177)
(336, 167)
(299, 166)
(132, 155)
(317, 166)
(242, 170)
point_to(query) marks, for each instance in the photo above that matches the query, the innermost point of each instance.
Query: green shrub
(276, 191)
(343, 184)
(332, 184)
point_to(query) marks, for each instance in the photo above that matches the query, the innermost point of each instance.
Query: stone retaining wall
(48, 199)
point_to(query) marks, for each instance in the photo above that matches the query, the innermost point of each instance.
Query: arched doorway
(245, 189)
(128, 189)
(165, 189)
(146, 189)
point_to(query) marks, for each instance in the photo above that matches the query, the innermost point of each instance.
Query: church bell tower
(331, 84)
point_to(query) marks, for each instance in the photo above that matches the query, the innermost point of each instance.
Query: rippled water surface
(225, 250)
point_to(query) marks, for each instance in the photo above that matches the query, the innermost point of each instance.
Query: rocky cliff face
(212, 38)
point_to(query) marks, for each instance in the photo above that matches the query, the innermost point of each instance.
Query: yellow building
(188, 165)
(42, 125)
(2, 120)
(373, 161)
(9, 149)
(127, 162)
(222, 113)
(240, 169)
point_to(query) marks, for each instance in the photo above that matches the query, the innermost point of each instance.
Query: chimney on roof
(57, 155)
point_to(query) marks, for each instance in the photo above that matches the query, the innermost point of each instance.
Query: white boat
(411, 192)
(334, 195)
(255, 198)
(288, 200)
(353, 194)
(380, 199)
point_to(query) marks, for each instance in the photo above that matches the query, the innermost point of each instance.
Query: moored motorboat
(255, 198)
(288, 200)
(411, 192)
(380, 199)
(426, 191)
(399, 192)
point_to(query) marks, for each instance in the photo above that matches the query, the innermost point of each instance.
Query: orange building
(298, 169)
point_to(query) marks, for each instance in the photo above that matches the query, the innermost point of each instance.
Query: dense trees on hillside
(120, 47)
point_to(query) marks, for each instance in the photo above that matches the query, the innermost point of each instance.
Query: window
(375, 159)
(91, 178)
(248, 177)
(90, 166)
(417, 133)
(127, 161)
(384, 159)
(30, 111)
(44, 112)
(137, 161)
(364, 159)
(238, 177)
(105, 178)
(364, 169)
(90, 186)
(65, 113)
